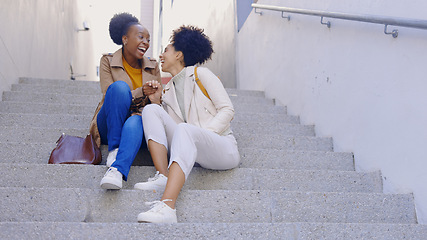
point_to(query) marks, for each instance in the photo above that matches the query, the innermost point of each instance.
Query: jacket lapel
(169, 98)
(117, 69)
(188, 89)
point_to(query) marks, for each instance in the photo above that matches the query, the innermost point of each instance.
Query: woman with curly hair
(189, 120)
(117, 120)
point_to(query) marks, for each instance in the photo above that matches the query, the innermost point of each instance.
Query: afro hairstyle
(193, 43)
(119, 26)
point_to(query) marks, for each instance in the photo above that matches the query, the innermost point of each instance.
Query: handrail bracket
(288, 17)
(393, 33)
(328, 23)
(260, 13)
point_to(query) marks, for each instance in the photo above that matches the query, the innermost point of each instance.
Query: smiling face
(136, 42)
(172, 61)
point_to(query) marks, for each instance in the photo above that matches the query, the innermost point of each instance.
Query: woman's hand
(153, 90)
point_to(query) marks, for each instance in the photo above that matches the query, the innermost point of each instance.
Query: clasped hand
(153, 89)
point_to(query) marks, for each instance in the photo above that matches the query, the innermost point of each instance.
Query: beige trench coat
(111, 70)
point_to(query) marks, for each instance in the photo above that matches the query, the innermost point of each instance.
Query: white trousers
(187, 144)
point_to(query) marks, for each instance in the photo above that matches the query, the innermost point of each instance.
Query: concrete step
(284, 129)
(68, 87)
(76, 88)
(261, 109)
(240, 92)
(196, 231)
(49, 97)
(58, 82)
(68, 121)
(42, 134)
(37, 134)
(89, 109)
(89, 176)
(56, 98)
(210, 206)
(269, 119)
(82, 87)
(248, 140)
(308, 160)
(43, 108)
(277, 141)
(38, 153)
(45, 120)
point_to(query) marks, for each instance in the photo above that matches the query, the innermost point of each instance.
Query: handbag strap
(200, 83)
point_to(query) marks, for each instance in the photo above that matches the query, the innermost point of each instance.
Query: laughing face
(170, 59)
(136, 42)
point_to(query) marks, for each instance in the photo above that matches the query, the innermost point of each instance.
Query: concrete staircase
(290, 183)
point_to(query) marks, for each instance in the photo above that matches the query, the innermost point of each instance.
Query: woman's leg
(110, 120)
(159, 128)
(114, 113)
(192, 144)
(174, 185)
(130, 143)
(159, 154)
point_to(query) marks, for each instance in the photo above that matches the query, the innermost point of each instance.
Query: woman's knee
(133, 123)
(150, 110)
(184, 127)
(119, 86)
(119, 89)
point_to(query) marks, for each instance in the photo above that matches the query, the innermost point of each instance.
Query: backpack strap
(200, 83)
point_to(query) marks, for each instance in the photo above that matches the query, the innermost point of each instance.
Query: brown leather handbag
(75, 150)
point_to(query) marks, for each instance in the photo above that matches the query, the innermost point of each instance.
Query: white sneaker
(113, 179)
(157, 183)
(111, 157)
(159, 213)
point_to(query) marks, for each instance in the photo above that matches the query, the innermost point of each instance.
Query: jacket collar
(170, 98)
(117, 60)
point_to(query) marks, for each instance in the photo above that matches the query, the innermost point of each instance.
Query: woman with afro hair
(117, 120)
(189, 120)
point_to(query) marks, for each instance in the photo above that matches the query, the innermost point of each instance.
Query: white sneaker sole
(110, 186)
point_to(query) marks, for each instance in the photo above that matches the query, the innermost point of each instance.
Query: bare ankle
(171, 204)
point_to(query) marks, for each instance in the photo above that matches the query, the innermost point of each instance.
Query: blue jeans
(117, 128)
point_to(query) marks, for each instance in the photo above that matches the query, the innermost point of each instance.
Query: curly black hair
(193, 43)
(119, 26)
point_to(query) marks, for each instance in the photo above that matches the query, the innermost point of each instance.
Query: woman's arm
(153, 89)
(139, 92)
(219, 98)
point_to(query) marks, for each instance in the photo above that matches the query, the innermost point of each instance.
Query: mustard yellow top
(135, 75)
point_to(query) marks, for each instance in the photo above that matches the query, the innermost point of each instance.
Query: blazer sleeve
(220, 100)
(105, 76)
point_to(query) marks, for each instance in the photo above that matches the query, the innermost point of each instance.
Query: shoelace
(111, 169)
(156, 176)
(157, 205)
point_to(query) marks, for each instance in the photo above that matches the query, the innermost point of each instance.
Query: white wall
(365, 89)
(147, 20)
(39, 39)
(217, 18)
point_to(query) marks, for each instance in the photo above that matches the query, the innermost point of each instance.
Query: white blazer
(215, 114)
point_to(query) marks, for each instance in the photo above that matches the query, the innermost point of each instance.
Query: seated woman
(117, 120)
(192, 125)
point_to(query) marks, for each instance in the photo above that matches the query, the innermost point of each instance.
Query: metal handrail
(394, 21)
